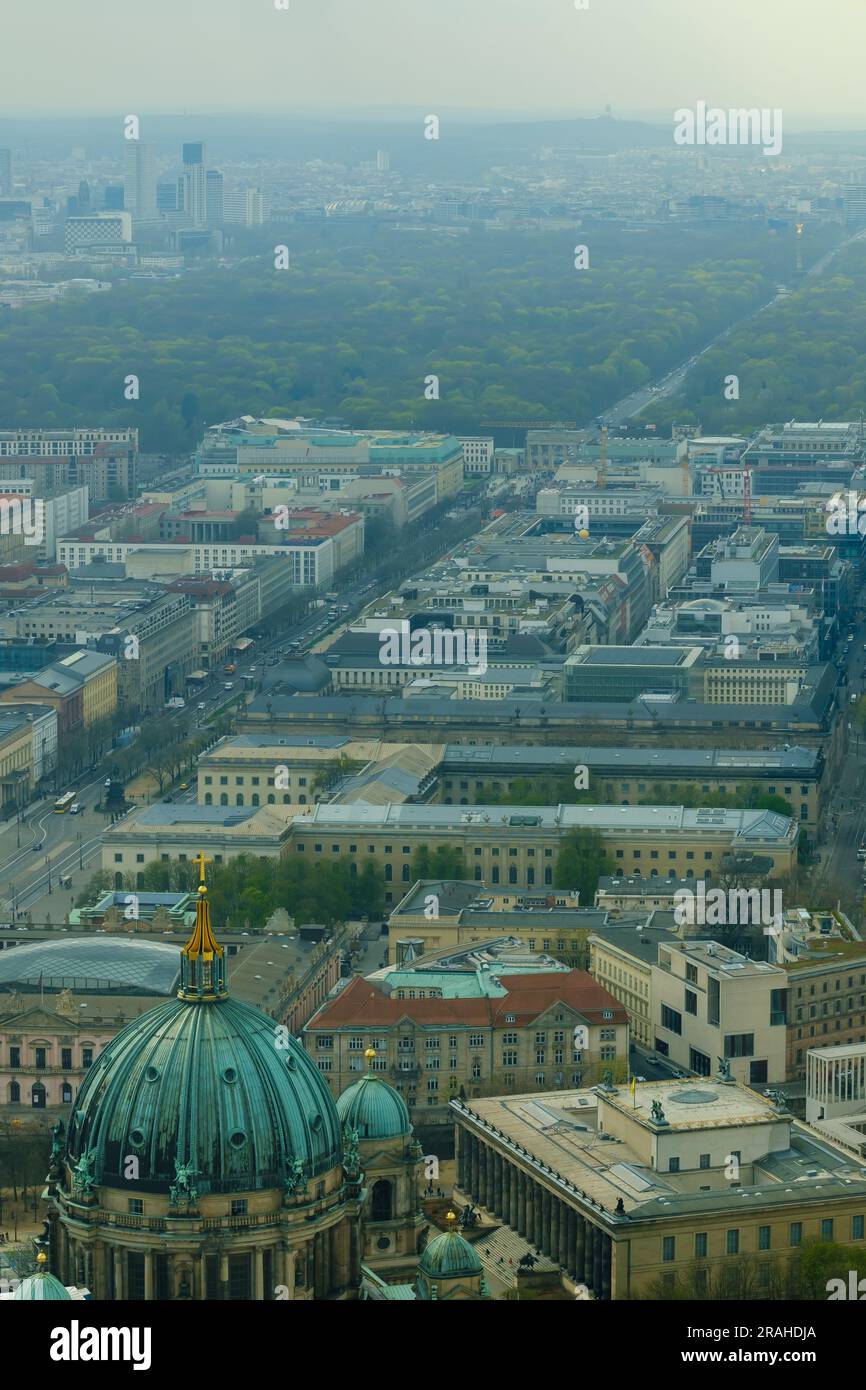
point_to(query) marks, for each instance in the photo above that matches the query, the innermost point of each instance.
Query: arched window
(381, 1201)
(118, 880)
(239, 799)
(67, 1093)
(494, 874)
(389, 873)
(37, 1096)
(224, 799)
(208, 799)
(14, 1093)
(271, 799)
(255, 798)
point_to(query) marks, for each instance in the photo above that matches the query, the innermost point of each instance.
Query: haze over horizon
(504, 57)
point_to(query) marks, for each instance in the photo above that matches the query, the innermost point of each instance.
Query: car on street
(76, 808)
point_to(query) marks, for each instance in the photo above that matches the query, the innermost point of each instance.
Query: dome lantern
(202, 960)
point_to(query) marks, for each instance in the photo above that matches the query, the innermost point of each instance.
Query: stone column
(64, 1254)
(545, 1221)
(200, 1277)
(482, 1174)
(318, 1267)
(554, 1228)
(512, 1196)
(571, 1241)
(497, 1185)
(596, 1261)
(580, 1249)
(589, 1258)
(460, 1141)
(606, 1253)
(475, 1169)
(564, 1215)
(224, 1276)
(258, 1274)
(119, 1290)
(536, 1215)
(148, 1276)
(289, 1272)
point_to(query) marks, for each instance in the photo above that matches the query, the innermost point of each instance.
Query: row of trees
(245, 892)
(805, 1277)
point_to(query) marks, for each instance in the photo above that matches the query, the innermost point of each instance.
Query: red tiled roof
(363, 1004)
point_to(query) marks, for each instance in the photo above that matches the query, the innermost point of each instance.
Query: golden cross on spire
(201, 859)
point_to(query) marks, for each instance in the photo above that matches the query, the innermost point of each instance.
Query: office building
(139, 181)
(99, 233)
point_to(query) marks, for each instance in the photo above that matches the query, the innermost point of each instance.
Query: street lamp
(48, 862)
(80, 860)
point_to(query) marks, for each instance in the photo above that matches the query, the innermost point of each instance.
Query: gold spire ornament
(202, 945)
(202, 966)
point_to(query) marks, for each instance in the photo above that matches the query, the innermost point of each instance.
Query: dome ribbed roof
(374, 1109)
(41, 1287)
(449, 1256)
(205, 1084)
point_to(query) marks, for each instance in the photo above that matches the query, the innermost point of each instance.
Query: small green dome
(41, 1287)
(449, 1256)
(374, 1109)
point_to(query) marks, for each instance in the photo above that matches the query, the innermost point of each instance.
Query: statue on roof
(84, 1176)
(724, 1072)
(351, 1153)
(295, 1178)
(656, 1113)
(183, 1192)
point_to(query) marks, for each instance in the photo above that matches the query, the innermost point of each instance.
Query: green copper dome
(449, 1256)
(207, 1084)
(374, 1109)
(41, 1287)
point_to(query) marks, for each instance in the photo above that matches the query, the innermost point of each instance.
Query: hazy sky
(640, 56)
